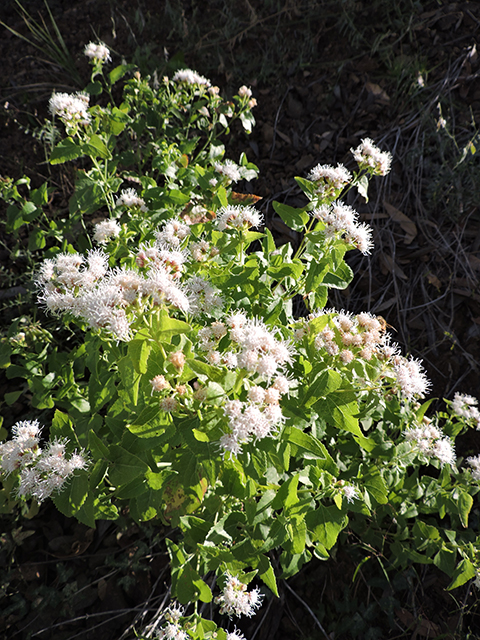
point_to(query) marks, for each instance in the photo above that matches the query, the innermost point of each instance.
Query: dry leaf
(432, 279)
(474, 262)
(386, 304)
(379, 94)
(389, 264)
(244, 198)
(404, 221)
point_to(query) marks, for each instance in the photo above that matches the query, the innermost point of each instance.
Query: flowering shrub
(193, 394)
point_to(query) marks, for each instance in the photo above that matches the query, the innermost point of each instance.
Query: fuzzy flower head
(187, 76)
(411, 378)
(97, 52)
(474, 463)
(236, 600)
(341, 223)
(129, 198)
(229, 169)
(370, 158)
(329, 179)
(465, 406)
(71, 109)
(238, 217)
(41, 472)
(431, 443)
(106, 230)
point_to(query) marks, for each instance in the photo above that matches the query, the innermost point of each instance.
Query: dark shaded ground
(324, 77)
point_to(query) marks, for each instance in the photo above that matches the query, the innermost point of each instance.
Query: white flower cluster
(238, 217)
(466, 407)
(71, 108)
(110, 298)
(173, 233)
(173, 629)
(360, 336)
(105, 230)
(341, 221)
(230, 169)
(97, 52)
(369, 156)
(329, 178)
(129, 198)
(256, 349)
(410, 377)
(236, 600)
(431, 442)
(363, 336)
(474, 462)
(187, 76)
(42, 472)
(349, 491)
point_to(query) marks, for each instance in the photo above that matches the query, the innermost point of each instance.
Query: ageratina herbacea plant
(195, 389)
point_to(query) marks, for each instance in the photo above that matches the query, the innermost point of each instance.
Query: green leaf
(95, 147)
(325, 524)
(375, 485)
(325, 383)
(464, 572)
(296, 219)
(139, 350)
(464, 504)
(94, 88)
(287, 494)
(125, 466)
(118, 72)
(312, 445)
(267, 574)
(66, 150)
(445, 560)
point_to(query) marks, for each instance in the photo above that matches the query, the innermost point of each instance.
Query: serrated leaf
(66, 150)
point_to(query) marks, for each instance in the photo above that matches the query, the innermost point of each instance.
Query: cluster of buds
(129, 198)
(41, 472)
(106, 230)
(347, 338)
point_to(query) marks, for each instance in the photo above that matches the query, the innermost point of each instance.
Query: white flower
(228, 169)
(350, 492)
(410, 377)
(238, 217)
(129, 198)
(430, 441)
(370, 157)
(72, 109)
(474, 462)
(187, 76)
(235, 635)
(465, 406)
(106, 230)
(97, 52)
(236, 600)
(327, 175)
